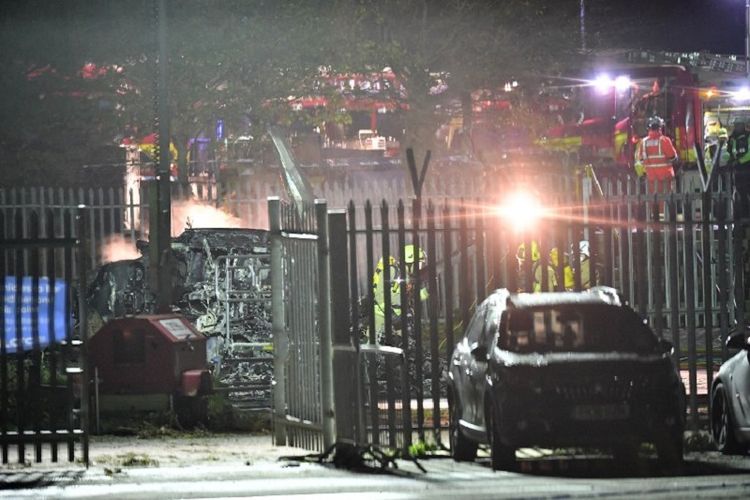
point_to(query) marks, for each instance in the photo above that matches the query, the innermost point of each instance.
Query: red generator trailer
(150, 363)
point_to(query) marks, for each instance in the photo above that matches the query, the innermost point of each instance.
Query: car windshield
(576, 328)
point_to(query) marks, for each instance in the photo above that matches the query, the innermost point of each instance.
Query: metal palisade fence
(43, 371)
(405, 281)
(303, 390)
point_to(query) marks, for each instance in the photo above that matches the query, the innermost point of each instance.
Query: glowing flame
(186, 214)
(116, 248)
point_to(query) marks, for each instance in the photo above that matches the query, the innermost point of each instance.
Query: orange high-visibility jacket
(655, 150)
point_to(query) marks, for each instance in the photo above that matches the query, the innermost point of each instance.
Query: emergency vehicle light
(743, 94)
(604, 83)
(521, 211)
(622, 83)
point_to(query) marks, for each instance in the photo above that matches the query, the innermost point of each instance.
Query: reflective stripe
(658, 160)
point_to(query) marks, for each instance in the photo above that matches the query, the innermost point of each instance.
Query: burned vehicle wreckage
(221, 285)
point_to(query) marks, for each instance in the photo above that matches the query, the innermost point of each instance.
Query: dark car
(730, 399)
(566, 369)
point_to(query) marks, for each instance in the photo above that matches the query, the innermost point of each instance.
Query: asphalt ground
(245, 466)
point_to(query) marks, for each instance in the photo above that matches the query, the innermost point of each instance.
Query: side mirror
(737, 341)
(479, 352)
(666, 346)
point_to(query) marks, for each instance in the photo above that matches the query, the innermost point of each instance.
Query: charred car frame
(221, 285)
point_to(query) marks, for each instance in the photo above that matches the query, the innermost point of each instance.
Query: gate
(43, 368)
(674, 258)
(300, 310)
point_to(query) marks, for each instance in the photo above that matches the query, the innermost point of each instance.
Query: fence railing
(43, 365)
(674, 257)
(303, 391)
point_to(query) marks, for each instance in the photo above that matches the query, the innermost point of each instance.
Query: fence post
(432, 304)
(83, 331)
(324, 323)
(417, 317)
(347, 397)
(722, 271)
(690, 303)
(674, 277)
(405, 376)
(446, 218)
(278, 326)
(706, 233)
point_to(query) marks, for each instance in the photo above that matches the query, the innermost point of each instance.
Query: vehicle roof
(597, 295)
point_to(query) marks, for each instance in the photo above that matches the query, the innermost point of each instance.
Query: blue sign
(49, 307)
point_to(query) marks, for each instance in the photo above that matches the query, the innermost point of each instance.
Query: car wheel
(462, 448)
(722, 427)
(503, 457)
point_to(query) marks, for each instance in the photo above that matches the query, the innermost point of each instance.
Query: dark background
(674, 25)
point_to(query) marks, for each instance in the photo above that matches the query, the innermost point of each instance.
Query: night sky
(680, 25)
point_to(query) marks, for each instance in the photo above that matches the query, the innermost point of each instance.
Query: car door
(486, 342)
(477, 366)
(740, 388)
(461, 368)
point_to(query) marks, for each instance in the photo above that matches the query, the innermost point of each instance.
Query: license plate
(601, 412)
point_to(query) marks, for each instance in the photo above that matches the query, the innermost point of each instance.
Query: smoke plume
(187, 214)
(116, 247)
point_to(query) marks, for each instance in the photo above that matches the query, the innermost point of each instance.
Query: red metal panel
(146, 354)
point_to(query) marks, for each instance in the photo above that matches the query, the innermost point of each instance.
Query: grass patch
(699, 441)
(219, 416)
(127, 460)
(421, 449)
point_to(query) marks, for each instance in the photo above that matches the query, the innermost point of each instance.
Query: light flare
(742, 95)
(521, 210)
(622, 83)
(603, 83)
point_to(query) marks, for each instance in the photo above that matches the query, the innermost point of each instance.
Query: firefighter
(739, 160)
(552, 264)
(655, 156)
(390, 273)
(716, 137)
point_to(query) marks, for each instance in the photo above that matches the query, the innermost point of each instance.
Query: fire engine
(615, 106)
(614, 111)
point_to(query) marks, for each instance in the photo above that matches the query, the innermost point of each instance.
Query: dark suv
(563, 370)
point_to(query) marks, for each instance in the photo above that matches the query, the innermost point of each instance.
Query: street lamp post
(582, 19)
(747, 37)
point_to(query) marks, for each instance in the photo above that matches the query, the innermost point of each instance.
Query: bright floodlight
(603, 83)
(743, 94)
(521, 211)
(622, 83)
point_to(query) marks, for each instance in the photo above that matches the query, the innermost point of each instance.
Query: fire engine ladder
(239, 288)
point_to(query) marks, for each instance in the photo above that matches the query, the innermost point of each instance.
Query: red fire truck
(614, 109)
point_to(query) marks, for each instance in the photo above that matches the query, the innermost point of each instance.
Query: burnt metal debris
(221, 283)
